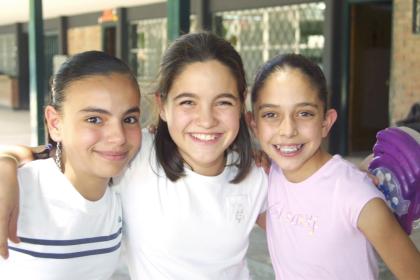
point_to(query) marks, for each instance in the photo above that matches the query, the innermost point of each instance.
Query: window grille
(260, 34)
(8, 54)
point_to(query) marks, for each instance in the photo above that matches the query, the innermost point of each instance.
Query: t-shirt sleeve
(261, 188)
(357, 190)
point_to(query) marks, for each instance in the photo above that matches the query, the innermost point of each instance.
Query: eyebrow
(105, 112)
(302, 104)
(192, 95)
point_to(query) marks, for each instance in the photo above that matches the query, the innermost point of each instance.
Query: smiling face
(202, 111)
(98, 127)
(290, 123)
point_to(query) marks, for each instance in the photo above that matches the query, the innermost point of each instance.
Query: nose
(116, 133)
(288, 127)
(206, 117)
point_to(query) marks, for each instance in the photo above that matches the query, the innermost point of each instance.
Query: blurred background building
(369, 49)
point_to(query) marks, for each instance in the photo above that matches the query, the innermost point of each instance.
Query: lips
(205, 137)
(288, 150)
(113, 155)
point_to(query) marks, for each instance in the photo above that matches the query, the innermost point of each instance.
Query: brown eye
(187, 102)
(131, 120)
(306, 114)
(269, 115)
(225, 103)
(94, 120)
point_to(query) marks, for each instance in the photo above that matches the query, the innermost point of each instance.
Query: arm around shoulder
(11, 157)
(9, 203)
(390, 241)
(20, 154)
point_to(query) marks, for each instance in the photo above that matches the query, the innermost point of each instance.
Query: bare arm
(22, 154)
(261, 220)
(10, 158)
(390, 241)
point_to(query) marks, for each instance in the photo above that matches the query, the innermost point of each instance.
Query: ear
(251, 122)
(329, 120)
(53, 120)
(161, 106)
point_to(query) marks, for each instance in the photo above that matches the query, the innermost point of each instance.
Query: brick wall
(84, 39)
(405, 62)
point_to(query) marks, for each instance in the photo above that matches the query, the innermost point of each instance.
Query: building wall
(8, 92)
(83, 39)
(405, 70)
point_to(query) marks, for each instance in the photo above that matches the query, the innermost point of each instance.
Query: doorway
(369, 73)
(109, 39)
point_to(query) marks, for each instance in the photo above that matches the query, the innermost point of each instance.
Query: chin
(108, 173)
(287, 166)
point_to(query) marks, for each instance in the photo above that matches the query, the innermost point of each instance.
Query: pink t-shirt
(312, 225)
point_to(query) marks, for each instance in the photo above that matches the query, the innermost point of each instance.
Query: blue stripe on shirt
(67, 255)
(72, 241)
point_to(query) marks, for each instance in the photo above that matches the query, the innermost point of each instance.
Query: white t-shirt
(195, 228)
(64, 236)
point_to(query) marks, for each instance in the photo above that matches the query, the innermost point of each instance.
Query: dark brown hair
(82, 65)
(187, 49)
(295, 61)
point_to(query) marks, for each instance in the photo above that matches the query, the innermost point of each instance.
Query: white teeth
(288, 149)
(204, 137)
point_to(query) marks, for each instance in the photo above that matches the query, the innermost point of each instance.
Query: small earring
(58, 156)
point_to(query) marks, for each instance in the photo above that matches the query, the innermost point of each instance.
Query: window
(148, 41)
(8, 54)
(260, 34)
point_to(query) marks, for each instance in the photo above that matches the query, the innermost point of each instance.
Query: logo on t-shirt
(237, 205)
(306, 221)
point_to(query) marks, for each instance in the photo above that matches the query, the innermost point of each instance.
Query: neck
(211, 169)
(90, 187)
(308, 168)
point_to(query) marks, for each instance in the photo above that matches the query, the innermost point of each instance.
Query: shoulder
(354, 189)
(256, 180)
(31, 170)
(255, 186)
(142, 167)
(350, 177)
(257, 174)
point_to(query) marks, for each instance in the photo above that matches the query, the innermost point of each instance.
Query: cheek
(264, 131)
(178, 117)
(86, 137)
(133, 136)
(231, 118)
(311, 130)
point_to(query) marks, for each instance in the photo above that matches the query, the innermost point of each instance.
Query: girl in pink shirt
(324, 216)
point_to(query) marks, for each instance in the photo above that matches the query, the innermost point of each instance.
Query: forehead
(96, 88)
(205, 78)
(287, 87)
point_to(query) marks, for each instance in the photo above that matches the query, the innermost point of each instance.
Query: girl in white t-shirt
(324, 216)
(70, 221)
(192, 195)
